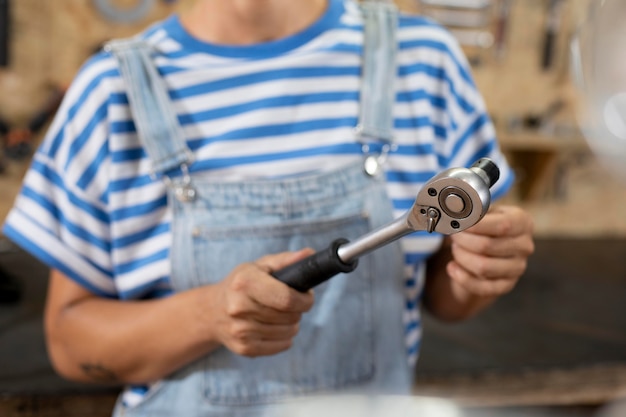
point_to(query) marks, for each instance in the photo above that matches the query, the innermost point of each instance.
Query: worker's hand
(254, 314)
(490, 257)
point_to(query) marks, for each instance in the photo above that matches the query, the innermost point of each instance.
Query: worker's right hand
(254, 314)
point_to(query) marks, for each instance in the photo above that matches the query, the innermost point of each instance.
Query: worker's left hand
(490, 257)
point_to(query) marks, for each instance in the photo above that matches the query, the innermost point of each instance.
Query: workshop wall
(513, 81)
(49, 40)
(517, 83)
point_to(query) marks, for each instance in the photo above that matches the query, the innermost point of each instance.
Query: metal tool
(502, 27)
(5, 25)
(469, 21)
(450, 202)
(553, 23)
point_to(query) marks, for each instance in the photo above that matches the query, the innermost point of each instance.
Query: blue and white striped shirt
(90, 208)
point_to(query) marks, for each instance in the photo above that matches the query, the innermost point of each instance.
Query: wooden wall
(50, 40)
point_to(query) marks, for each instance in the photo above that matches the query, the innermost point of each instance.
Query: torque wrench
(450, 202)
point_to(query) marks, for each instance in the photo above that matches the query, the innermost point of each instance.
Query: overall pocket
(334, 347)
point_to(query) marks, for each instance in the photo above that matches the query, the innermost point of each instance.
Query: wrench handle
(315, 269)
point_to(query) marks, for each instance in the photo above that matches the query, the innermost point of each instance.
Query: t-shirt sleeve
(470, 132)
(60, 215)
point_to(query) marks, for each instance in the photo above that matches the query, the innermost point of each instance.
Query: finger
(272, 347)
(261, 347)
(281, 298)
(487, 266)
(278, 332)
(503, 221)
(267, 291)
(275, 262)
(270, 316)
(502, 247)
(246, 308)
(246, 331)
(477, 285)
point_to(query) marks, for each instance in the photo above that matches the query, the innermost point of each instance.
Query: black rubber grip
(315, 269)
(491, 169)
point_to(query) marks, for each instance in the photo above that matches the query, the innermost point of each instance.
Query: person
(161, 270)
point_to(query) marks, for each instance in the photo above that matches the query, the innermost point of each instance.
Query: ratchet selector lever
(450, 202)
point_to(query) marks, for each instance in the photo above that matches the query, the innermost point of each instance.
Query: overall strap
(378, 91)
(155, 120)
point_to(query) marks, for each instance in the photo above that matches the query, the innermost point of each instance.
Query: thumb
(277, 261)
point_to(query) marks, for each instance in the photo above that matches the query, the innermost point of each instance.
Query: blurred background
(556, 346)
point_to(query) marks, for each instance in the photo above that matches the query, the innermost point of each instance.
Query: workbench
(539, 159)
(559, 338)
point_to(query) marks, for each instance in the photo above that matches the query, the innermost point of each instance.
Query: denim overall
(352, 341)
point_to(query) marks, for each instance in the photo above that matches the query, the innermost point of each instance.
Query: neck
(246, 22)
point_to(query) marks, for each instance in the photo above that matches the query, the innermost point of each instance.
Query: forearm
(443, 297)
(248, 312)
(99, 340)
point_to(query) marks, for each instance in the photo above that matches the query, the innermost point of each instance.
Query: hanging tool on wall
(5, 26)
(502, 27)
(470, 21)
(540, 120)
(553, 23)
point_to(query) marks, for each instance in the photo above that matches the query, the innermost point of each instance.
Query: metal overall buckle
(373, 161)
(184, 191)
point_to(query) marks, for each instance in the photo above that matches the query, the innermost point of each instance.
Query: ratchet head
(455, 199)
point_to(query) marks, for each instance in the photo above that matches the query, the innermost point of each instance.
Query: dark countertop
(559, 336)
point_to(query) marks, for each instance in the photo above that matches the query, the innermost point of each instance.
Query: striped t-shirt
(90, 208)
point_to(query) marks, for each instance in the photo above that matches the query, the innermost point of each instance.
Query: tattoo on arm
(98, 372)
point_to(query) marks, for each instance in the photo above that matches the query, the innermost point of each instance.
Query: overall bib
(352, 341)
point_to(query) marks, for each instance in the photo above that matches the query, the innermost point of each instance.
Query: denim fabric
(155, 122)
(378, 91)
(352, 341)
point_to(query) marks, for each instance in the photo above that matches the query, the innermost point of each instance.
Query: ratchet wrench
(450, 202)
